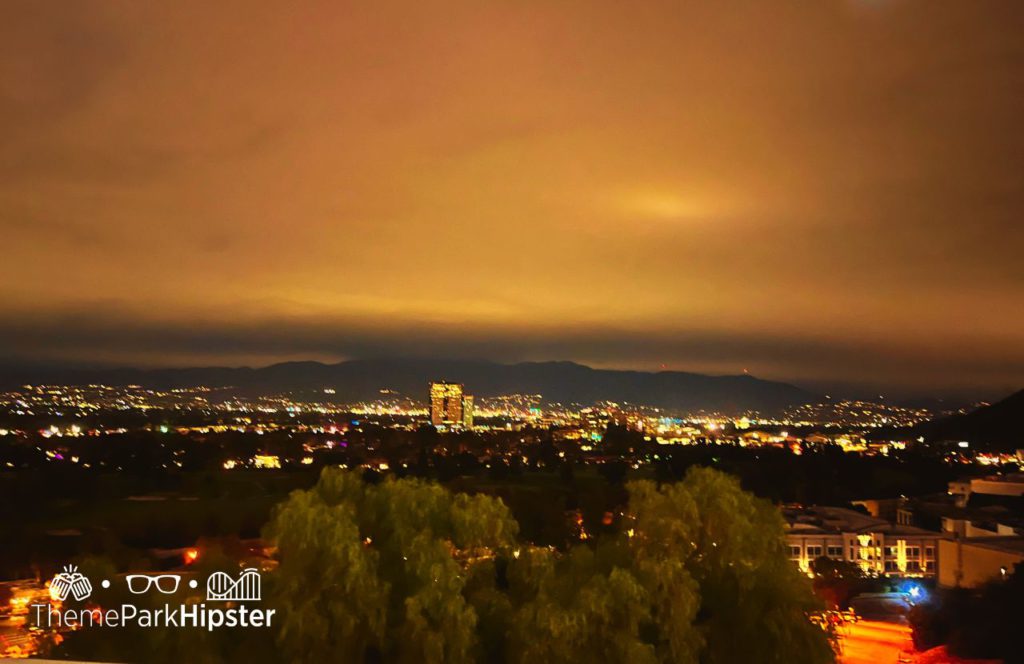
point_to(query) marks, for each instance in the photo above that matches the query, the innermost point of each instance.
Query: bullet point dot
(193, 584)
(105, 583)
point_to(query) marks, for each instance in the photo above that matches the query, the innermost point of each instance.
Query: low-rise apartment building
(877, 546)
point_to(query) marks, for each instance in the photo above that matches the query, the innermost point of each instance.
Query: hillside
(565, 382)
(997, 426)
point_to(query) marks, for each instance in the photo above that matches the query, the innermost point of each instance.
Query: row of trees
(404, 570)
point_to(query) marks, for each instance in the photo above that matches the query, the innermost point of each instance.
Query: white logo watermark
(140, 584)
(70, 582)
(220, 587)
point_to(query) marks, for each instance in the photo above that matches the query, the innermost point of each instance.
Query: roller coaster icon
(220, 587)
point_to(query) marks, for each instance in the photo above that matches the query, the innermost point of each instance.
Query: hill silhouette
(994, 427)
(561, 382)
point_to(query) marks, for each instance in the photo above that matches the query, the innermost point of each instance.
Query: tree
(619, 440)
(378, 570)
(837, 581)
(589, 606)
(615, 471)
(978, 623)
(753, 600)
(406, 571)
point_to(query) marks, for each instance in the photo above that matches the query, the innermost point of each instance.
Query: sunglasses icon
(142, 583)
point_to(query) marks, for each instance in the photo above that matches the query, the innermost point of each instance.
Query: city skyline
(826, 195)
(672, 331)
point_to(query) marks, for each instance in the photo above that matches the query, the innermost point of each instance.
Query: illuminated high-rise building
(467, 411)
(446, 404)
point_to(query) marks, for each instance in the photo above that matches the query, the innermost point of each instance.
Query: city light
(512, 331)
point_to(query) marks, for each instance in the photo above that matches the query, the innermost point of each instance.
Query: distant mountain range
(564, 382)
(998, 426)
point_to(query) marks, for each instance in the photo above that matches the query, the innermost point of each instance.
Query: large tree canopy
(380, 569)
(404, 570)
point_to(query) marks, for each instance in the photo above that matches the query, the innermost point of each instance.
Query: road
(874, 642)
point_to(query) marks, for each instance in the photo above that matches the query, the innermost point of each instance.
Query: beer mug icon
(70, 582)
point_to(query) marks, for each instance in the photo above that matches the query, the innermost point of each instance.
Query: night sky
(829, 192)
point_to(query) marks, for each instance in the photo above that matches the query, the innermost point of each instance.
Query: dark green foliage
(837, 581)
(981, 623)
(407, 571)
(404, 570)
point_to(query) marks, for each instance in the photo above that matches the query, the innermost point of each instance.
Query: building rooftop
(1005, 544)
(825, 519)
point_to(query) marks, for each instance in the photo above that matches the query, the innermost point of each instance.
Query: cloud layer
(828, 192)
